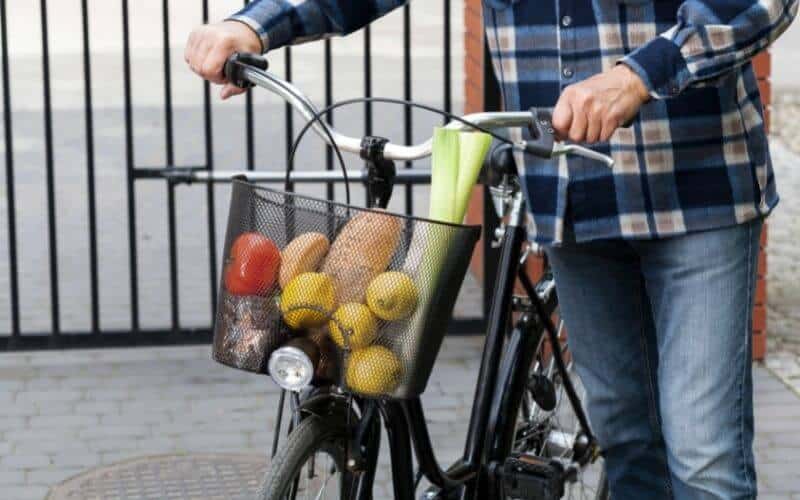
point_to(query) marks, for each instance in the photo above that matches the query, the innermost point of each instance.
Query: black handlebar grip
(237, 62)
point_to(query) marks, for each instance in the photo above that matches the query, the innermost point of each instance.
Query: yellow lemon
(307, 300)
(392, 295)
(359, 324)
(373, 371)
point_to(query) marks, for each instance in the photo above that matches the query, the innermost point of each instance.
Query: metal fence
(174, 331)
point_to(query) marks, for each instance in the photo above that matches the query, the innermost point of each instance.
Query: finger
(199, 55)
(610, 126)
(214, 62)
(187, 50)
(608, 130)
(230, 90)
(196, 53)
(594, 126)
(562, 115)
(577, 130)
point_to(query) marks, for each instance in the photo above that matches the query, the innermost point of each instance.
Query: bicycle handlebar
(245, 70)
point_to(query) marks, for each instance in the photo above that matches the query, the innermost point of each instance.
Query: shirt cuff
(661, 66)
(270, 20)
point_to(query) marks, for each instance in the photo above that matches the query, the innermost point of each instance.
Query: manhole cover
(168, 477)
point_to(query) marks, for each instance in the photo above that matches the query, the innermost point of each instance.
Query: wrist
(633, 82)
(248, 40)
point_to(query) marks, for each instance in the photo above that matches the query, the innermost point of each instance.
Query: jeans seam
(744, 361)
(655, 423)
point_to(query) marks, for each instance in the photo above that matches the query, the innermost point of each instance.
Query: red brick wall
(474, 95)
(763, 67)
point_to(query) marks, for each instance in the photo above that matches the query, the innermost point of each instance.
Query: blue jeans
(660, 334)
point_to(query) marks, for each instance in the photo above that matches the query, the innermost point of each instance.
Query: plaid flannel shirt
(695, 158)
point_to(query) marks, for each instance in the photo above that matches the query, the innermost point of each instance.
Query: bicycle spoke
(316, 478)
(324, 484)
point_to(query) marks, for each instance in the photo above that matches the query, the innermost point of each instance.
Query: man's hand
(209, 46)
(591, 110)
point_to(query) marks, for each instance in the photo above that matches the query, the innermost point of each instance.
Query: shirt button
(567, 72)
(566, 21)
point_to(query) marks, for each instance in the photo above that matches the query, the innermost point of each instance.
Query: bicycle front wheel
(310, 464)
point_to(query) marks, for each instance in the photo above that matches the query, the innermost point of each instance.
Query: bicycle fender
(328, 405)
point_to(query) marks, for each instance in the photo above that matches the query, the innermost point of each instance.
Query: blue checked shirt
(695, 158)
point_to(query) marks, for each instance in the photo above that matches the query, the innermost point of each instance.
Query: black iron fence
(14, 334)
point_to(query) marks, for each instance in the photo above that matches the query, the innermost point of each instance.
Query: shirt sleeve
(711, 38)
(287, 22)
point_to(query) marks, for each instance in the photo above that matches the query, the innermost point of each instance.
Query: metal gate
(35, 317)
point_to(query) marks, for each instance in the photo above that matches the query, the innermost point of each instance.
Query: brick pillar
(475, 95)
(473, 57)
(763, 66)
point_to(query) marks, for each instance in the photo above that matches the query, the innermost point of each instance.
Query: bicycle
(528, 435)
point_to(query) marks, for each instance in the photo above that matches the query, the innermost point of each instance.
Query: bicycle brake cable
(318, 115)
(326, 129)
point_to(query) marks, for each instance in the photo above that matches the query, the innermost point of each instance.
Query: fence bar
(191, 175)
(10, 190)
(90, 178)
(161, 337)
(132, 252)
(250, 134)
(110, 338)
(212, 227)
(367, 79)
(170, 154)
(288, 112)
(407, 115)
(329, 192)
(448, 67)
(51, 188)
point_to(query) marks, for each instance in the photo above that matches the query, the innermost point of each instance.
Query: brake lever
(544, 144)
(578, 150)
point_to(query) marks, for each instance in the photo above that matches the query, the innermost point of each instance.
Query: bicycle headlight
(292, 366)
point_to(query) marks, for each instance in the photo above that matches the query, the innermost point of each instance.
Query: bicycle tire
(311, 436)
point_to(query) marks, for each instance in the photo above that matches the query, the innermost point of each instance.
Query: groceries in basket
(252, 266)
(308, 300)
(362, 250)
(303, 254)
(252, 328)
(314, 291)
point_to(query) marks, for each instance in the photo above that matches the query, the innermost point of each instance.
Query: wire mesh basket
(374, 290)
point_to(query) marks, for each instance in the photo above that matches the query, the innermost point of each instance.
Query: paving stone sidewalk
(783, 285)
(66, 412)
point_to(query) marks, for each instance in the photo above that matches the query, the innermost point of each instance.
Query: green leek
(444, 174)
(472, 152)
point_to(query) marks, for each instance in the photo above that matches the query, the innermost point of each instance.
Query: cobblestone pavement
(783, 321)
(66, 412)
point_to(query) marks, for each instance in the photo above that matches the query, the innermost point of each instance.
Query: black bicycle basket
(375, 290)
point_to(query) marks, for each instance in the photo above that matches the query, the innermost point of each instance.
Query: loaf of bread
(362, 250)
(303, 254)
